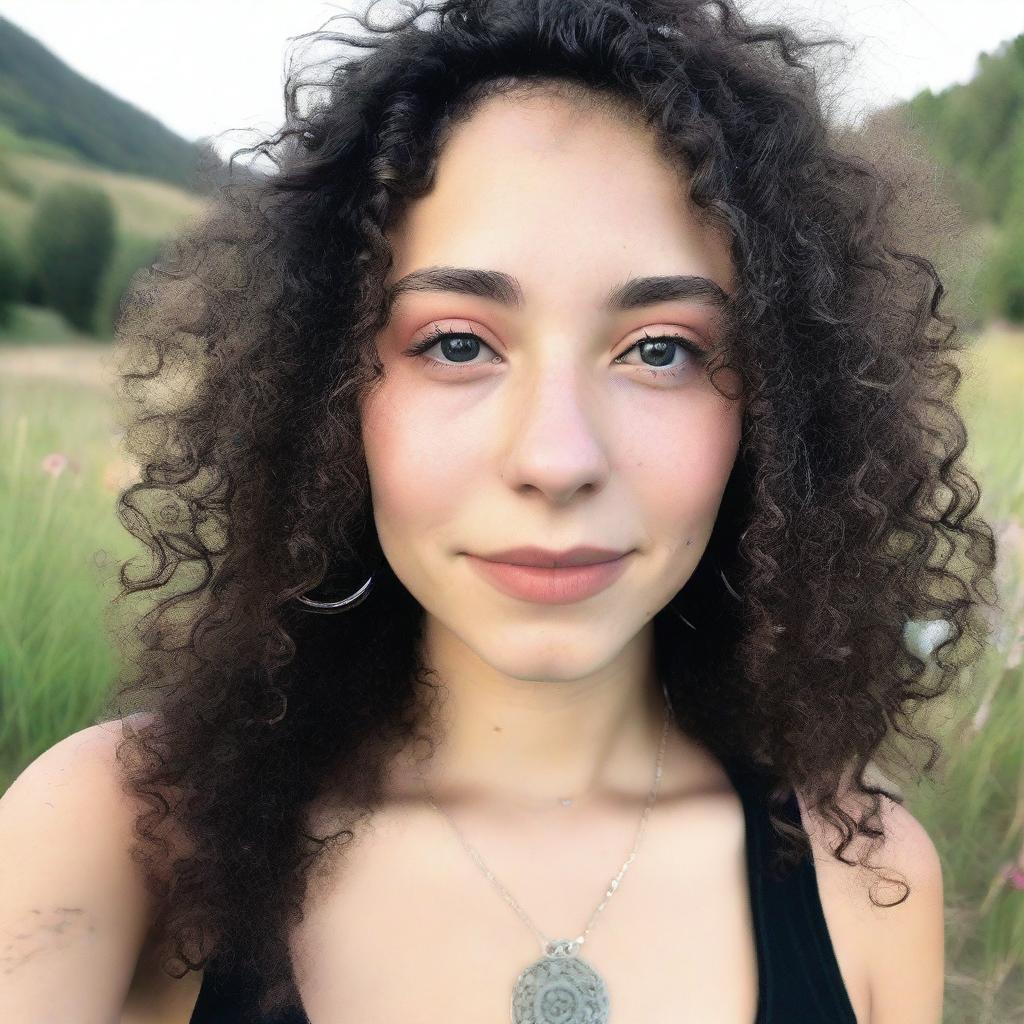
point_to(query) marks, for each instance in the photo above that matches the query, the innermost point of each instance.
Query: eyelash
(437, 335)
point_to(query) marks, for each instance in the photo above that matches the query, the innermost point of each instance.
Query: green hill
(146, 211)
(56, 128)
(144, 207)
(976, 131)
(45, 102)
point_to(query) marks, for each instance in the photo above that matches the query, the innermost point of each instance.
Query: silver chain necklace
(561, 987)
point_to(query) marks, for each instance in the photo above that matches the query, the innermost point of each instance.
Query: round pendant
(560, 988)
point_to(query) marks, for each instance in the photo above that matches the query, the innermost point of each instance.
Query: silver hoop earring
(342, 605)
(728, 586)
(674, 609)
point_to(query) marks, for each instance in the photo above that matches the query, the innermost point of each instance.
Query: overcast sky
(204, 67)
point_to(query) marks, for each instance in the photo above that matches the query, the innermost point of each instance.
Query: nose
(555, 443)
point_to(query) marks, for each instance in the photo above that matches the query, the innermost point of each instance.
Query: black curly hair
(247, 348)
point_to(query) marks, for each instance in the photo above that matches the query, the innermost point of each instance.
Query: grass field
(61, 545)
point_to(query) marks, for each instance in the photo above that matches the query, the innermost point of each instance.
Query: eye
(464, 346)
(663, 347)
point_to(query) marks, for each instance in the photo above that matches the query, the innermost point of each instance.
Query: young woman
(568, 399)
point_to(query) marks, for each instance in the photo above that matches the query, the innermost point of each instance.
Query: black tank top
(798, 974)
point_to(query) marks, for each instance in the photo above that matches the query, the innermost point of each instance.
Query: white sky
(204, 67)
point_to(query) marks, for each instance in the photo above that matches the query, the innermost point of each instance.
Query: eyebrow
(506, 289)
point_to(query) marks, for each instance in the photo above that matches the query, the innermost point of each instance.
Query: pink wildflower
(55, 463)
(1015, 876)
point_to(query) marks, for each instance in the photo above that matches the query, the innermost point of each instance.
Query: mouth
(551, 584)
(583, 554)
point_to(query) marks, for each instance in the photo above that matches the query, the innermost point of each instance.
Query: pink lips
(582, 554)
(561, 585)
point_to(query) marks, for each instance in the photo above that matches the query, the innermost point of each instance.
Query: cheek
(683, 463)
(418, 475)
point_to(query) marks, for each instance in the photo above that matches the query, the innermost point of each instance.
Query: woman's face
(542, 422)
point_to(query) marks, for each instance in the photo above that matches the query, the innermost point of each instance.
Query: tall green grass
(59, 545)
(976, 817)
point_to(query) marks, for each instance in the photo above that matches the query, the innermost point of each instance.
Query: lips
(547, 558)
(550, 585)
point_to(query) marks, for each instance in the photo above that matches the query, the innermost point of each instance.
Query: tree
(12, 277)
(1005, 275)
(70, 241)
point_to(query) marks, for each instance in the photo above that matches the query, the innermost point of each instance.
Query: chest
(407, 926)
(410, 928)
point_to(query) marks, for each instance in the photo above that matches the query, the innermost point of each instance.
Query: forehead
(560, 195)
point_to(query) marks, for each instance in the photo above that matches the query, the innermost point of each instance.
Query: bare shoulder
(74, 907)
(901, 947)
(76, 784)
(81, 766)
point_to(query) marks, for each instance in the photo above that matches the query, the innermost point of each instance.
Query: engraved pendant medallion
(560, 988)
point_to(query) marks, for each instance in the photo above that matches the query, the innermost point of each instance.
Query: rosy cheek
(416, 474)
(682, 476)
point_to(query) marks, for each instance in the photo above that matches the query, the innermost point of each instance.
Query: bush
(1005, 273)
(1006, 276)
(70, 240)
(12, 277)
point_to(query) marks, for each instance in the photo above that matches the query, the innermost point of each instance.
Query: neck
(538, 741)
